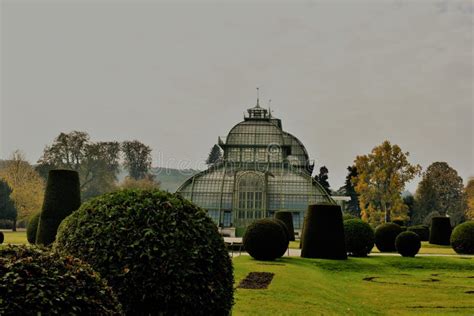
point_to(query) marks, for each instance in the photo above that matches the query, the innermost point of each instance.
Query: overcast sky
(342, 75)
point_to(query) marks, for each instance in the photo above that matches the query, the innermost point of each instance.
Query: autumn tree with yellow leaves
(381, 179)
(470, 199)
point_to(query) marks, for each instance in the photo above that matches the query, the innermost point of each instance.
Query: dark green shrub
(287, 218)
(240, 231)
(266, 239)
(422, 231)
(399, 222)
(32, 228)
(408, 244)
(37, 282)
(284, 227)
(440, 233)
(385, 235)
(2, 238)
(160, 253)
(359, 237)
(323, 235)
(462, 238)
(347, 216)
(61, 198)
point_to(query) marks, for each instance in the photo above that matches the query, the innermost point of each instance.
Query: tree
(26, 184)
(97, 163)
(470, 199)
(381, 178)
(441, 190)
(146, 183)
(348, 189)
(137, 159)
(409, 201)
(322, 179)
(7, 207)
(214, 156)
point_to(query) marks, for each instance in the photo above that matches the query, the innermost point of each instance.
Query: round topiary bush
(323, 235)
(408, 244)
(2, 238)
(160, 253)
(284, 227)
(422, 231)
(37, 282)
(32, 228)
(385, 235)
(266, 239)
(462, 238)
(287, 218)
(61, 198)
(440, 233)
(359, 237)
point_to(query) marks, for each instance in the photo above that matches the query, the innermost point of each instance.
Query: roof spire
(258, 97)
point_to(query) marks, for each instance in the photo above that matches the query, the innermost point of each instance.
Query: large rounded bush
(287, 218)
(266, 239)
(61, 198)
(2, 238)
(32, 228)
(422, 231)
(385, 235)
(323, 235)
(160, 253)
(408, 244)
(462, 238)
(37, 282)
(359, 237)
(440, 233)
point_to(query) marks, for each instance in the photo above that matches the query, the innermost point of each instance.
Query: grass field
(359, 286)
(18, 237)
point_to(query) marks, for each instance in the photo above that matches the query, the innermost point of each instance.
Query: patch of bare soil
(256, 280)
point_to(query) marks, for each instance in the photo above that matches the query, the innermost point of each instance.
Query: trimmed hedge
(385, 235)
(462, 238)
(422, 231)
(359, 236)
(408, 244)
(61, 198)
(32, 228)
(323, 235)
(160, 253)
(266, 239)
(287, 218)
(440, 233)
(2, 238)
(35, 282)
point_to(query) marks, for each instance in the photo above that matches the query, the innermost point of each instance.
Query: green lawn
(393, 285)
(18, 237)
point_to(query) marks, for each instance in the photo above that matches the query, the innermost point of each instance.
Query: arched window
(250, 197)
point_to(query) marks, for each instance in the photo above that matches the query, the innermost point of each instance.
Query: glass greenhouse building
(264, 169)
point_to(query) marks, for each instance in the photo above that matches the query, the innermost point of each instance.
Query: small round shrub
(462, 238)
(422, 231)
(440, 233)
(323, 235)
(287, 218)
(266, 239)
(359, 237)
(32, 228)
(61, 198)
(160, 253)
(408, 244)
(2, 238)
(385, 235)
(37, 282)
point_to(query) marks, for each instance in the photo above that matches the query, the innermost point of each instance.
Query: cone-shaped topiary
(37, 282)
(408, 244)
(287, 218)
(323, 235)
(359, 237)
(160, 253)
(385, 235)
(61, 198)
(462, 238)
(32, 228)
(2, 238)
(440, 233)
(422, 231)
(266, 239)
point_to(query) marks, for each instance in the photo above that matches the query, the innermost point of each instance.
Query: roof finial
(269, 108)
(258, 97)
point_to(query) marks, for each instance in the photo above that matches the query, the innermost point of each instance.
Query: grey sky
(342, 75)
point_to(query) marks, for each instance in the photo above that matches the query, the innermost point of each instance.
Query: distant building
(264, 170)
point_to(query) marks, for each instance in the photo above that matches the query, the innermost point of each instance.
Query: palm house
(263, 170)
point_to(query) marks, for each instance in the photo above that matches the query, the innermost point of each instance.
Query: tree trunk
(387, 213)
(14, 225)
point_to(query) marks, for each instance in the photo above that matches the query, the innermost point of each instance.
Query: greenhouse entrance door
(250, 199)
